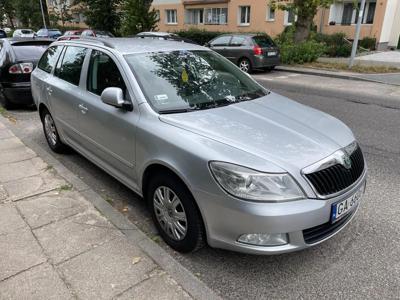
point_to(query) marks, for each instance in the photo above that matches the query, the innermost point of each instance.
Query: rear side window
(49, 59)
(238, 41)
(103, 73)
(264, 41)
(70, 67)
(221, 41)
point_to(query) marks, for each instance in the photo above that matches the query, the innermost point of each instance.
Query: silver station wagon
(219, 158)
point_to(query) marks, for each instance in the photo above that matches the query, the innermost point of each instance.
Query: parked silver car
(219, 158)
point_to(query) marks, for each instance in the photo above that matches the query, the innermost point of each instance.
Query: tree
(7, 10)
(61, 12)
(102, 14)
(29, 13)
(305, 10)
(138, 16)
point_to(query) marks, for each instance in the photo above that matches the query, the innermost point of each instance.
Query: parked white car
(28, 33)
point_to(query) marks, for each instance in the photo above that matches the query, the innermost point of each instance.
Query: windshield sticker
(185, 76)
(161, 98)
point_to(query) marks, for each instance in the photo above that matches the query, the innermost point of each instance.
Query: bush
(304, 52)
(199, 36)
(368, 43)
(336, 45)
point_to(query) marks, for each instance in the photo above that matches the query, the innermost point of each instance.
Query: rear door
(239, 47)
(221, 44)
(64, 91)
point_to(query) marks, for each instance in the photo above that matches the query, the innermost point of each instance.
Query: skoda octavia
(219, 158)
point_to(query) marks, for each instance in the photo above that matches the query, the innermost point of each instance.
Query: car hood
(273, 127)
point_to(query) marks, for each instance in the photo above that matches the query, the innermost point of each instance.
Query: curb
(189, 282)
(322, 73)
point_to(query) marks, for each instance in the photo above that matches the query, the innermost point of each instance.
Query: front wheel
(175, 213)
(245, 65)
(51, 133)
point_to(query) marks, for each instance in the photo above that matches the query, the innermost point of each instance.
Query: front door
(108, 132)
(221, 45)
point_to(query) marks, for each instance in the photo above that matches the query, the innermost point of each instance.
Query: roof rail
(164, 37)
(103, 41)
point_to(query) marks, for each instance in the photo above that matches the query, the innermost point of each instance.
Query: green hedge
(199, 36)
(304, 52)
(368, 43)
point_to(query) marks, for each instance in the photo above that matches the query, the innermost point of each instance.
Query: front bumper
(17, 93)
(228, 218)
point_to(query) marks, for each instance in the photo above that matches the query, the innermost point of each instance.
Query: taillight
(257, 50)
(22, 68)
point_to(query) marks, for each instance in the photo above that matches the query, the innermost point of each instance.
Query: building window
(244, 15)
(194, 16)
(290, 17)
(346, 13)
(216, 16)
(270, 13)
(170, 15)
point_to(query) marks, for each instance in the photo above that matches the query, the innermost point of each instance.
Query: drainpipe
(321, 24)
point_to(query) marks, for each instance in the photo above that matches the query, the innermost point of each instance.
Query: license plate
(272, 53)
(342, 208)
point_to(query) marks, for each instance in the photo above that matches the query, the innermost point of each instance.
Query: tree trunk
(303, 25)
(11, 22)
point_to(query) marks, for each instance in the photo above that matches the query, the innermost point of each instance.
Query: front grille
(320, 232)
(336, 178)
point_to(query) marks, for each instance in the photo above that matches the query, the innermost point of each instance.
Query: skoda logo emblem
(346, 161)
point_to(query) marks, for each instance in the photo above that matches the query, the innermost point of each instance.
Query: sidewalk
(54, 244)
(385, 78)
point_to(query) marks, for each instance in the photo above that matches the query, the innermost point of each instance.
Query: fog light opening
(264, 239)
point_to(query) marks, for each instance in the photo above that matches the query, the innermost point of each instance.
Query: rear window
(264, 41)
(49, 59)
(71, 65)
(29, 51)
(26, 31)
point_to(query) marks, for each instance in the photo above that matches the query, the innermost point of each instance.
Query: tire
(51, 133)
(245, 65)
(7, 104)
(169, 213)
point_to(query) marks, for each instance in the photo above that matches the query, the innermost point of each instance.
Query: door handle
(83, 108)
(49, 90)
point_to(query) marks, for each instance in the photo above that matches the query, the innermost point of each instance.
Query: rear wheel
(51, 133)
(245, 65)
(175, 213)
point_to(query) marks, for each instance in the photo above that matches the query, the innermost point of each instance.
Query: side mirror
(115, 97)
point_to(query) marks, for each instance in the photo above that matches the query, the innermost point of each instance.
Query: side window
(70, 67)
(238, 41)
(48, 60)
(221, 41)
(103, 73)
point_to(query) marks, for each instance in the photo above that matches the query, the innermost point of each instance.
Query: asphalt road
(362, 261)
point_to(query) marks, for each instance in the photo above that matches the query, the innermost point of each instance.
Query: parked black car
(248, 51)
(18, 58)
(3, 34)
(49, 33)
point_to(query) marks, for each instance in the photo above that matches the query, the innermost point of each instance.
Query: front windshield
(189, 80)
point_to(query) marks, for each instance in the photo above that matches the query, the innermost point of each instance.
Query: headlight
(250, 184)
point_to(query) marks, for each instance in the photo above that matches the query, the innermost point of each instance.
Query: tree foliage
(7, 11)
(305, 10)
(138, 16)
(29, 13)
(102, 14)
(61, 13)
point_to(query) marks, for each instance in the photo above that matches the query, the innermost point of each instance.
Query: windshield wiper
(175, 110)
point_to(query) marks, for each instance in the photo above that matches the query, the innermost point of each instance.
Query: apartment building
(75, 11)
(381, 18)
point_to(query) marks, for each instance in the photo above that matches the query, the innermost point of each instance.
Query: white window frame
(268, 15)
(217, 13)
(336, 13)
(194, 19)
(174, 17)
(286, 19)
(247, 15)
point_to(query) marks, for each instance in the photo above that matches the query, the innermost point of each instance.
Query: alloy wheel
(50, 129)
(244, 66)
(170, 213)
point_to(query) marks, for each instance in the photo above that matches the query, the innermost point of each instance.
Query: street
(362, 261)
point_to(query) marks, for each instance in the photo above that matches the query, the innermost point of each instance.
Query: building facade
(381, 18)
(72, 13)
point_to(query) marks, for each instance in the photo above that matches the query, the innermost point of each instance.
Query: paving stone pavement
(55, 245)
